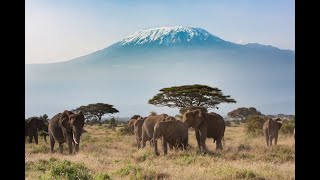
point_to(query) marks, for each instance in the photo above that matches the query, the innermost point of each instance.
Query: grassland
(108, 154)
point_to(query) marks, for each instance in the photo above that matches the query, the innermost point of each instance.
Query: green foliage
(125, 130)
(243, 112)
(228, 123)
(97, 110)
(190, 95)
(56, 169)
(185, 159)
(287, 127)
(102, 176)
(133, 171)
(254, 125)
(68, 170)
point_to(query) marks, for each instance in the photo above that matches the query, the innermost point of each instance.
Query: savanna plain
(113, 154)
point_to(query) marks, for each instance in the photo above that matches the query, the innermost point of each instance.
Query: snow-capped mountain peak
(170, 35)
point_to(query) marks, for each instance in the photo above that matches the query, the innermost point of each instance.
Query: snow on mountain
(170, 35)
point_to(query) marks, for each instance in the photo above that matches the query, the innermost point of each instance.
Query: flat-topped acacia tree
(97, 110)
(190, 95)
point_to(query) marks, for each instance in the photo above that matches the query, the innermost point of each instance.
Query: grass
(109, 154)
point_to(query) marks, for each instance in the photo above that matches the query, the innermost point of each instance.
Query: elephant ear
(64, 119)
(199, 117)
(34, 123)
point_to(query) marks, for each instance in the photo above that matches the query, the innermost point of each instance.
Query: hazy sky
(60, 30)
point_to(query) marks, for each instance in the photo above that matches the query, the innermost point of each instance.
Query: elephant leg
(267, 139)
(270, 140)
(138, 143)
(165, 146)
(219, 144)
(203, 137)
(170, 147)
(61, 147)
(30, 138)
(36, 138)
(198, 138)
(51, 143)
(276, 139)
(144, 139)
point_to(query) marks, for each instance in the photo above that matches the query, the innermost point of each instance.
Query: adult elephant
(174, 133)
(137, 128)
(148, 127)
(32, 126)
(271, 129)
(206, 125)
(66, 127)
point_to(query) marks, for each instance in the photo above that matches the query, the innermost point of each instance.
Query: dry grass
(107, 153)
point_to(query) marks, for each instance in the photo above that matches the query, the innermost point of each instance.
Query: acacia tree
(190, 95)
(243, 112)
(97, 110)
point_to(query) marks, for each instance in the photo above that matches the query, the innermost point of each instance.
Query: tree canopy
(243, 112)
(97, 110)
(190, 95)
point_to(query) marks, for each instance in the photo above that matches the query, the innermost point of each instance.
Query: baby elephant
(175, 133)
(271, 129)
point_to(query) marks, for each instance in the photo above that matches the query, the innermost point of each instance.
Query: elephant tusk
(74, 139)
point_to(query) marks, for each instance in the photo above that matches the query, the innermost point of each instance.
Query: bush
(254, 125)
(228, 123)
(68, 170)
(287, 127)
(126, 130)
(102, 176)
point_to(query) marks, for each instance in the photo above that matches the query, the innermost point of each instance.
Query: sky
(61, 30)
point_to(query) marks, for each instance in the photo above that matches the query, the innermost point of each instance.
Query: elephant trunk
(76, 138)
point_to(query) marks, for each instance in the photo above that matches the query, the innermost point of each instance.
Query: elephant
(206, 125)
(148, 127)
(137, 128)
(174, 133)
(66, 127)
(32, 126)
(271, 129)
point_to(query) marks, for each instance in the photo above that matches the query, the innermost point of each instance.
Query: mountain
(129, 72)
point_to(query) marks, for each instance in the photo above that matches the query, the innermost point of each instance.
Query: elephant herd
(174, 133)
(63, 127)
(67, 127)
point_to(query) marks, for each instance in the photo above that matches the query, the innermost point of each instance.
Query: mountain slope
(131, 71)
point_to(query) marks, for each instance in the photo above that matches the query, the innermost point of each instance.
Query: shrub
(125, 130)
(68, 170)
(287, 127)
(254, 125)
(102, 176)
(228, 123)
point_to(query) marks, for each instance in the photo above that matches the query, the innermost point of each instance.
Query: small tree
(44, 118)
(97, 110)
(190, 95)
(254, 124)
(243, 113)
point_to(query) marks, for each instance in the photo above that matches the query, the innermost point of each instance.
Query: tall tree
(97, 110)
(190, 95)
